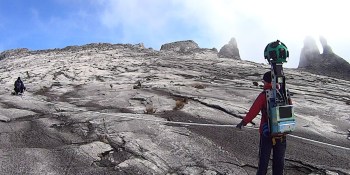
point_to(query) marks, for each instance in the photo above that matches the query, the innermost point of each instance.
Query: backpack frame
(281, 118)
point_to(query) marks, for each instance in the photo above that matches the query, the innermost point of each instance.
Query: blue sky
(44, 24)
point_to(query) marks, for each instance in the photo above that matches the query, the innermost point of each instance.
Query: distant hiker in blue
(19, 86)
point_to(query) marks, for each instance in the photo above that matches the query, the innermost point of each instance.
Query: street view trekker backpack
(280, 112)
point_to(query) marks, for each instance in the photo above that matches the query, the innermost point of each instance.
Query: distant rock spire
(233, 42)
(326, 48)
(230, 50)
(309, 53)
(328, 63)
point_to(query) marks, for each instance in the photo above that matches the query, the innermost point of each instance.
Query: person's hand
(240, 125)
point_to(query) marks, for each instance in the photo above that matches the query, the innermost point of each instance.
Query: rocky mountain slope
(115, 109)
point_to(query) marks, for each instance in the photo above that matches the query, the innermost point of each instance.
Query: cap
(267, 77)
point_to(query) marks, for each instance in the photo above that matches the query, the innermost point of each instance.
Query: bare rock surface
(180, 46)
(326, 48)
(230, 50)
(328, 63)
(114, 109)
(309, 53)
(4, 118)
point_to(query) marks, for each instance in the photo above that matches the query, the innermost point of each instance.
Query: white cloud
(146, 21)
(253, 23)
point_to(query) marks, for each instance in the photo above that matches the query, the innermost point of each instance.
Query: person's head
(19, 78)
(267, 77)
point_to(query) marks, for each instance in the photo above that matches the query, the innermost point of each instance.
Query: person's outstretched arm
(254, 110)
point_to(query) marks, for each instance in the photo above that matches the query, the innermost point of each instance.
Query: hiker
(19, 86)
(278, 144)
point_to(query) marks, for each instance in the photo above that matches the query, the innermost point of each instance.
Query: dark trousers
(19, 90)
(279, 150)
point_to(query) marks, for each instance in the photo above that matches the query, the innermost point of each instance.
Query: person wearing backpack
(267, 142)
(19, 86)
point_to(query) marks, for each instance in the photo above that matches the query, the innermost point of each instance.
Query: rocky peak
(233, 42)
(309, 53)
(13, 53)
(326, 48)
(327, 63)
(180, 46)
(230, 50)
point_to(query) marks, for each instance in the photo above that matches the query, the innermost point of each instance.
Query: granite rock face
(122, 109)
(14, 53)
(326, 48)
(180, 46)
(309, 54)
(230, 50)
(327, 63)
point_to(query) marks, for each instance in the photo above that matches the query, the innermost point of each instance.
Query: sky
(48, 24)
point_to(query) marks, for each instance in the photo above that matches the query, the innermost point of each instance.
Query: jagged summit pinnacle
(230, 50)
(326, 63)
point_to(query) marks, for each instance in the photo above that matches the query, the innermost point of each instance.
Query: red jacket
(259, 105)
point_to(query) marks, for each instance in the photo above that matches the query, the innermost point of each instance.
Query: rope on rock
(187, 123)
